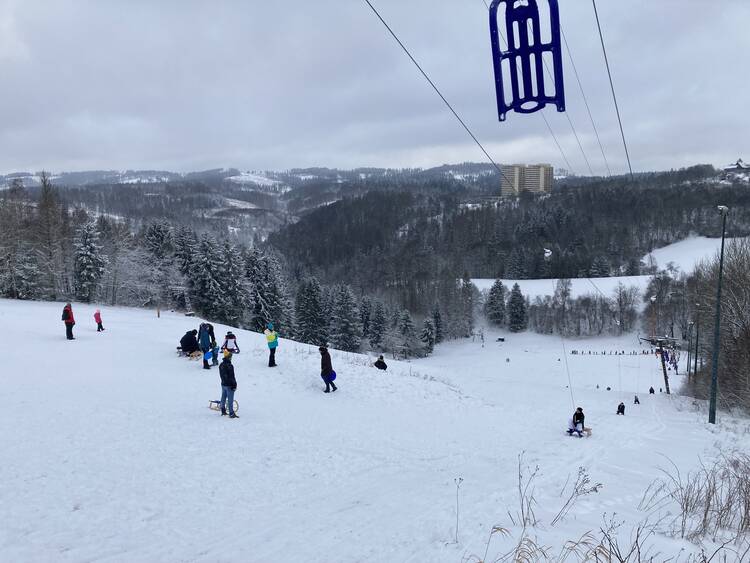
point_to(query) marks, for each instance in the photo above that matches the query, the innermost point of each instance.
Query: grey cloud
(187, 85)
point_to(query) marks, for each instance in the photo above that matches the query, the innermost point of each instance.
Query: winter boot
(233, 415)
(333, 387)
(223, 412)
(205, 365)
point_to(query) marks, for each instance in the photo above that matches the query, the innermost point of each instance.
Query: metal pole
(697, 336)
(717, 327)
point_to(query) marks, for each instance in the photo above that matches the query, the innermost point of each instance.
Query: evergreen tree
(428, 336)
(234, 294)
(158, 239)
(437, 321)
(495, 306)
(270, 300)
(466, 309)
(204, 285)
(89, 262)
(185, 248)
(365, 312)
(311, 325)
(408, 344)
(599, 267)
(517, 319)
(49, 236)
(377, 325)
(345, 329)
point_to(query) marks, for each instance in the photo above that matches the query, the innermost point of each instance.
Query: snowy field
(111, 454)
(685, 254)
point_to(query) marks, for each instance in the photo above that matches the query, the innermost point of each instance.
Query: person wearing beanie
(228, 385)
(380, 364)
(272, 339)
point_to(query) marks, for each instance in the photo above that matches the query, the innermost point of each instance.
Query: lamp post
(724, 210)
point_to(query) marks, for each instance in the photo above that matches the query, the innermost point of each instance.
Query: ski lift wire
(567, 115)
(612, 87)
(565, 351)
(585, 100)
(434, 87)
(541, 114)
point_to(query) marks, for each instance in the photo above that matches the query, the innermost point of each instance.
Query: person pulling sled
(326, 370)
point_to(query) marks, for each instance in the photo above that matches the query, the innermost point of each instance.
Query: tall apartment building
(535, 178)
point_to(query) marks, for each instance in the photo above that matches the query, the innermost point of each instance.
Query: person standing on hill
(272, 339)
(207, 342)
(326, 370)
(69, 320)
(98, 320)
(228, 385)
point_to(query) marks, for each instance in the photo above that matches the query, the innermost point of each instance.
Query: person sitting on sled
(621, 408)
(230, 343)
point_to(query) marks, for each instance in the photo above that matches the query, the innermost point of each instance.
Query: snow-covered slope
(111, 454)
(686, 254)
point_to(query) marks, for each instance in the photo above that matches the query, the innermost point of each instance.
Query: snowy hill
(685, 255)
(113, 455)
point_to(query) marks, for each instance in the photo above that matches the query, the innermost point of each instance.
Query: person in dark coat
(207, 342)
(228, 385)
(636, 400)
(69, 320)
(380, 364)
(326, 370)
(651, 391)
(579, 419)
(189, 342)
(621, 408)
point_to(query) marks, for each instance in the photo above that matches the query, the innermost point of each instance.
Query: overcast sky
(259, 84)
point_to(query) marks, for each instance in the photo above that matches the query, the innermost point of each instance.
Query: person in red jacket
(69, 320)
(98, 320)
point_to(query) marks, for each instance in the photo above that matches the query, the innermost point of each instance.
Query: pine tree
(158, 239)
(466, 308)
(437, 321)
(311, 325)
(204, 285)
(377, 325)
(408, 335)
(345, 330)
(270, 303)
(365, 312)
(234, 294)
(185, 248)
(517, 319)
(428, 336)
(89, 262)
(495, 306)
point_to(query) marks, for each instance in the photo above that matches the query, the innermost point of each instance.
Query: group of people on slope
(203, 339)
(69, 320)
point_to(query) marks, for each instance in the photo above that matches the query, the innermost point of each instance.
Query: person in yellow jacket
(272, 339)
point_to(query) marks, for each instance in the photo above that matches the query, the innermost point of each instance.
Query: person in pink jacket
(98, 320)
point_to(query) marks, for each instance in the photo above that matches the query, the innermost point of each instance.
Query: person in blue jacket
(207, 343)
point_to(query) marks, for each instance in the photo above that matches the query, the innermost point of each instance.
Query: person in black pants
(621, 409)
(326, 370)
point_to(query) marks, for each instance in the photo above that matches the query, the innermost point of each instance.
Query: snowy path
(113, 455)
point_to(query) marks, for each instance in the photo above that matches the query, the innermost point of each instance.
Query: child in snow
(326, 370)
(98, 320)
(228, 385)
(273, 341)
(69, 320)
(380, 364)
(621, 408)
(636, 400)
(230, 343)
(651, 391)
(578, 421)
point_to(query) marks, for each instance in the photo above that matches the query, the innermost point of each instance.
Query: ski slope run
(111, 454)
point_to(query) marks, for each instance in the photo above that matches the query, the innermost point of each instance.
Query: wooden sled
(194, 356)
(216, 406)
